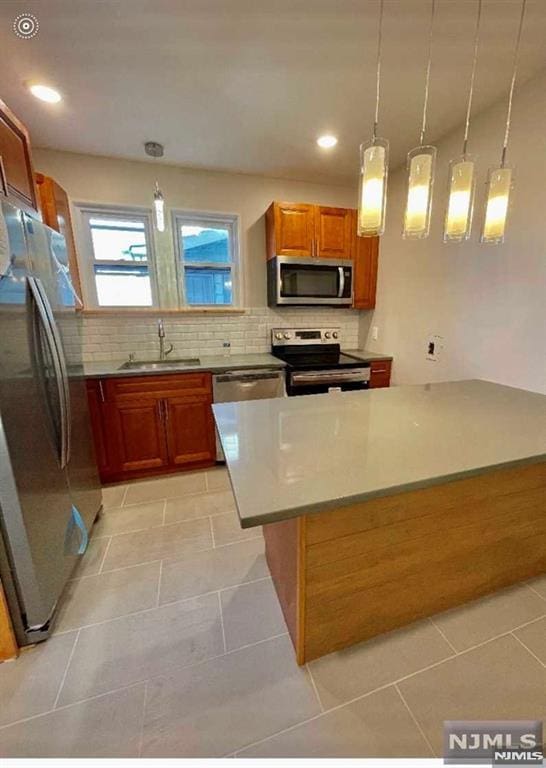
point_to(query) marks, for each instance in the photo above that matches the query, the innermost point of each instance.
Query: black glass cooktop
(318, 358)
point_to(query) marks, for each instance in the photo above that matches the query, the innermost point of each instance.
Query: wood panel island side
(383, 507)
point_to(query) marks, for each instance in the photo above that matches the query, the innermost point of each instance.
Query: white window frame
(88, 211)
(230, 221)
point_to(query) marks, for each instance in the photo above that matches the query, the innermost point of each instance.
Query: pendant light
(421, 164)
(374, 159)
(154, 149)
(499, 180)
(462, 171)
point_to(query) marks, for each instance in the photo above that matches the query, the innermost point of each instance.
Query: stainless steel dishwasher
(253, 384)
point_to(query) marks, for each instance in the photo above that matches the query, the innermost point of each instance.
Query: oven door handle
(341, 282)
(332, 377)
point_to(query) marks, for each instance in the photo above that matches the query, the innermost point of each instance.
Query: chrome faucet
(161, 333)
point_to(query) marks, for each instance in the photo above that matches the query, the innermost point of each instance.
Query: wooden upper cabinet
(290, 230)
(334, 233)
(16, 171)
(55, 207)
(365, 260)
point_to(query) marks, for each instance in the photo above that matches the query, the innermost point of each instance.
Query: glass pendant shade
(460, 205)
(159, 209)
(421, 163)
(374, 164)
(499, 184)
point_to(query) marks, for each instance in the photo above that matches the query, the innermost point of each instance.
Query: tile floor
(170, 642)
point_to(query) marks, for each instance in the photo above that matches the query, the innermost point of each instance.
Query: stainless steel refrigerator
(49, 486)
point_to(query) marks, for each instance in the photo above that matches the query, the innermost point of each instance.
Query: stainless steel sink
(158, 365)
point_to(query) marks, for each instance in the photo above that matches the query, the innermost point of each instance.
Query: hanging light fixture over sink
(154, 149)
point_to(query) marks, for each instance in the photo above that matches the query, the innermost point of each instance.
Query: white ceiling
(248, 85)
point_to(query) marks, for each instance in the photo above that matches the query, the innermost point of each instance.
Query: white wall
(126, 183)
(121, 182)
(488, 302)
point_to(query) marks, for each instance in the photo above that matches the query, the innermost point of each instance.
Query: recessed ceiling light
(327, 141)
(45, 93)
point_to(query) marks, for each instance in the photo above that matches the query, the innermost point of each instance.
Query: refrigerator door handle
(61, 379)
(66, 414)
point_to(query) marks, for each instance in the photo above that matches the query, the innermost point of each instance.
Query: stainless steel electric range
(315, 363)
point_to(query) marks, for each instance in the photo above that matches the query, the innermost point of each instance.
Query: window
(120, 267)
(207, 248)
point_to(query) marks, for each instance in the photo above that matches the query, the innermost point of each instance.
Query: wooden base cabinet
(380, 374)
(146, 425)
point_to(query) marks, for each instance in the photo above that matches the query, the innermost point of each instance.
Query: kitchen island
(386, 506)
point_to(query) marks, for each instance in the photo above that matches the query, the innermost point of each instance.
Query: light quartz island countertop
(294, 456)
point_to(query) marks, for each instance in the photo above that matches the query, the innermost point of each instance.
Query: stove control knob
(278, 335)
(335, 334)
(287, 335)
(327, 335)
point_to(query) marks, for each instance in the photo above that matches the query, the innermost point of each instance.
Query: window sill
(158, 312)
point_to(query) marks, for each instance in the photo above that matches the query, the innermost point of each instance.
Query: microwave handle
(341, 282)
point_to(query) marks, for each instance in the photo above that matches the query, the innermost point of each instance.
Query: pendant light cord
(512, 84)
(472, 77)
(427, 77)
(378, 70)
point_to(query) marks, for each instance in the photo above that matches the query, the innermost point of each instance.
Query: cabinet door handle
(160, 409)
(166, 410)
(379, 370)
(101, 392)
(3, 178)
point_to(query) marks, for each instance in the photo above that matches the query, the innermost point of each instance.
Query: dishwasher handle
(248, 376)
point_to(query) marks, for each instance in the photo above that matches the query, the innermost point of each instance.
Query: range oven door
(309, 382)
(310, 281)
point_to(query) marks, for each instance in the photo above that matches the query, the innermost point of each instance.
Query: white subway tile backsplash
(112, 338)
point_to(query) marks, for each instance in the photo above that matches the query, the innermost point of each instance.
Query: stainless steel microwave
(309, 281)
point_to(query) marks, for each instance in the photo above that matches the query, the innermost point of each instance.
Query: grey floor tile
(136, 517)
(218, 479)
(167, 542)
(227, 529)
(112, 495)
(136, 647)
(490, 616)
(539, 585)
(534, 637)
(377, 726)
(346, 674)
(500, 680)
(108, 595)
(251, 613)
(166, 487)
(212, 570)
(199, 505)
(108, 726)
(91, 561)
(221, 706)
(29, 685)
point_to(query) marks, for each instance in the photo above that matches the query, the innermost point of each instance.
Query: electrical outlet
(434, 347)
(375, 332)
